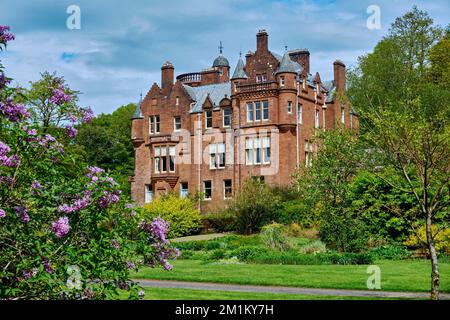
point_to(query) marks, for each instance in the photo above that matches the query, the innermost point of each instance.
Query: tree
(106, 143)
(406, 121)
(327, 186)
(254, 206)
(66, 231)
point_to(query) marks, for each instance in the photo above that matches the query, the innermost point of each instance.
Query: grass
(192, 294)
(401, 275)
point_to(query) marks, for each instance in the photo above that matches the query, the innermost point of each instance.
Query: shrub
(294, 229)
(314, 247)
(217, 254)
(274, 237)
(295, 258)
(390, 252)
(180, 213)
(246, 253)
(221, 222)
(418, 240)
(254, 206)
(61, 220)
(296, 211)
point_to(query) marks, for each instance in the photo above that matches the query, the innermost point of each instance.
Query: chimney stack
(167, 75)
(262, 41)
(339, 75)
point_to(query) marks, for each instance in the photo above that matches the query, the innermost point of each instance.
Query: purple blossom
(88, 114)
(22, 213)
(88, 293)
(2, 213)
(5, 35)
(3, 80)
(167, 266)
(71, 132)
(4, 149)
(115, 244)
(10, 162)
(107, 199)
(159, 229)
(130, 265)
(128, 206)
(46, 140)
(36, 185)
(27, 274)
(13, 111)
(73, 118)
(47, 267)
(7, 179)
(141, 294)
(59, 96)
(61, 227)
(78, 204)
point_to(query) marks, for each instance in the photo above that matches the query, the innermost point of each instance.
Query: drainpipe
(296, 120)
(200, 160)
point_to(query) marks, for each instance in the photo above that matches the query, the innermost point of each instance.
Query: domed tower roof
(137, 112)
(221, 61)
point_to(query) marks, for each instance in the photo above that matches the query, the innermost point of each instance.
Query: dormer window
(208, 119)
(281, 81)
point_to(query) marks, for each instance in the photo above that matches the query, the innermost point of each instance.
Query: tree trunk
(434, 260)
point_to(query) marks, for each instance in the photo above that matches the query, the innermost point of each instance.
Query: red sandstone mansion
(207, 132)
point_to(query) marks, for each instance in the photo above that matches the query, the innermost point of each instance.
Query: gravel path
(286, 290)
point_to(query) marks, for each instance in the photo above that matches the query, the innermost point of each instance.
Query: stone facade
(208, 132)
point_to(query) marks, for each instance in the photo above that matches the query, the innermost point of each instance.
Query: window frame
(208, 118)
(289, 107)
(265, 106)
(175, 123)
(210, 190)
(230, 187)
(184, 191)
(229, 116)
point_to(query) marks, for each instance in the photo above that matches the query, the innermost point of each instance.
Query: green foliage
(314, 247)
(390, 252)
(247, 253)
(418, 240)
(274, 237)
(106, 143)
(294, 258)
(181, 213)
(254, 206)
(224, 221)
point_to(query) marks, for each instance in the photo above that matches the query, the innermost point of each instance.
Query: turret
(137, 123)
(287, 83)
(222, 65)
(238, 75)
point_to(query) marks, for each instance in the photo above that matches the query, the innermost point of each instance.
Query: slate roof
(239, 72)
(216, 93)
(221, 61)
(287, 65)
(137, 113)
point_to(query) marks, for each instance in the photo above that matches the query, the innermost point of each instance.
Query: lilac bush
(56, 212)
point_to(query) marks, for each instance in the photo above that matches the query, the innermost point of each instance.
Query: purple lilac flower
(3, 80)
(88, 293)
(47, 267)
(73, 118)
(112, 181)
(5, 35)
(59, 96)
(61, 227)
(46, 140)
(22, 213)
(13, 111)
(88, 114)
(94, 172)
(7, 179)
(36, 185)
(4, 149)
(159, 229)
(151, 263)
(27, 274)
(167, 266)
(71, 132)
(12, 161)
(129, 206)
(115, 244)
(77, 205)
(123, 286)
(141, 294)
(130, 265)
(2, 213)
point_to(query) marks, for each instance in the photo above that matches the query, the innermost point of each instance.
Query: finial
(285, 48)
(240, 54)
(220, 47)
(141, 94)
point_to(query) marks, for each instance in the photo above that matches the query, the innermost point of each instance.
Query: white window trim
(282, 81)
(223, 118)
(268, 110)
(225, 190)
(252, 113)
(206, 119)
(175, 124)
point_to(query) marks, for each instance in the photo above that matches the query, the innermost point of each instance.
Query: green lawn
(403, 275)
(190, 294)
